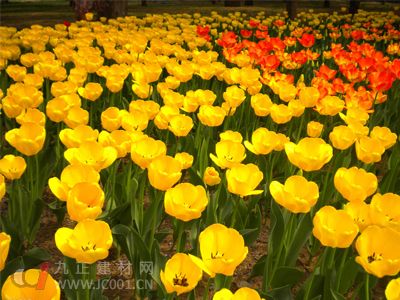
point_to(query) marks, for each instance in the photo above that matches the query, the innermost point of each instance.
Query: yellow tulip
(111, 119)
(334, 228)
(243, 293)
(314, 129)
(230, 135)
(342, 137)
(385, 210)
(369, 150)
(217, 257)
(379, 251)
(185, 159)
(87, 243)
(287, 91)
(165, 114)
(85, 201)
(309, 96)
(234, 96)
(179, 205)
(25, 96)
(31, 115)
(310, 154)
(151, 108)
(31, 284)
(12, 167)
(16, 72)
(281, 113)
(163, 172)
(330, 105)
(73, 138)
(180, 125)
(360, 212)
(2, 187)
(211, 115)
(211, 176)
(134, 120)
(145, 150)
(228, 153)
(244, 179)
(34, 79)
(92, 91)
(297, 194)
(392, 291)
(119, 139)
(70, 176)
(57, 109)
(263, 141)
(5, 241)
(296, 107)
(355, 184)
(76, 116)
(28, 139)
(355, 115)
(10, 107)
(91, 154)
(181, 274)
(261, 104)
(384, 135)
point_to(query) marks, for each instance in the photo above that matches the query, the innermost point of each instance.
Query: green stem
(180, 245)
(367, 287)
(341, 266)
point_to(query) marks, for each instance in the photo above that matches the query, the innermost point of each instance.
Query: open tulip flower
(178, 204)
(217, 257)
(181, 274)
(28, 139)
(243, 293)
(244, 179)
(163, 172)
(392, 291)
(5, 241)
(228, 154)
(310, 154)
(294, 198)
(334, 228)
(70, 176)
(91, 154)
(379, 251)
(31, 284)
(87, 243)
(12, 167)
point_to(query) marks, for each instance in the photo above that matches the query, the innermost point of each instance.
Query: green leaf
(10, 268)
(34, 257)
(349, 273)
(277, 226)
(301, 236)
(59, 209)
(286, 276)
(281, 293)
(337, 296)
(258, 269)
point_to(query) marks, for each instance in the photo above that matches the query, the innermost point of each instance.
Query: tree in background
(102, 8)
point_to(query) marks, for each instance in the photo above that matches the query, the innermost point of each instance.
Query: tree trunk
(354, 6)
(232, 3)
(102, 8)
(291, 7)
